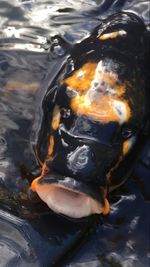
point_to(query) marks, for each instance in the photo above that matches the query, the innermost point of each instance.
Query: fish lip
(68, 197)
(70, 183)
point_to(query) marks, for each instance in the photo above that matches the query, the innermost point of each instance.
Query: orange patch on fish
(51, 147)
(81, 79)
(112, 35)
(125, 147)
(100, 95)
(104, 109)
(56, 118)
(106, 208)
(36, 180)
(34, 183)
(44, 169)
(44, 166)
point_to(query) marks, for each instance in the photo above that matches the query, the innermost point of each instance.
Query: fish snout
(75, 161)
(81, 161)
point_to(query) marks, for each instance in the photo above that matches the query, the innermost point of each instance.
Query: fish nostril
(81, 159)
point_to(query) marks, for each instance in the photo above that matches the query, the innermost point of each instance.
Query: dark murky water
(30, 57)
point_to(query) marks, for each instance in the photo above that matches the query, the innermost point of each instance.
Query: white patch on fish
(120, 110)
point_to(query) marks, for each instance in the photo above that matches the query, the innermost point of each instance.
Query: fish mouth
(69, 197)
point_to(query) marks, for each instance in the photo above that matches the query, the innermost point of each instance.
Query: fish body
(95, 114)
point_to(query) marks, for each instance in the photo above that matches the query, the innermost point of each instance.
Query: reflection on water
(29, 60)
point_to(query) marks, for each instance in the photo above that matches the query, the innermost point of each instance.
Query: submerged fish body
(96, 112)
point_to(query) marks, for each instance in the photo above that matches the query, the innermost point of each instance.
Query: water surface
(35, 37)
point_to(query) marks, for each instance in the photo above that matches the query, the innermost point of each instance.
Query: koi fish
(95, 111)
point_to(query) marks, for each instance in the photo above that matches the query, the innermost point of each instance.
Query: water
(35, 37)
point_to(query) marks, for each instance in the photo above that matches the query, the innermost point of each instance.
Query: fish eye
(126, 132)
(65, 113)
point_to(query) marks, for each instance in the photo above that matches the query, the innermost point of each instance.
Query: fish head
(95, 123)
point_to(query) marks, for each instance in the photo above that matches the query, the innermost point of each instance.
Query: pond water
(34, 40)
